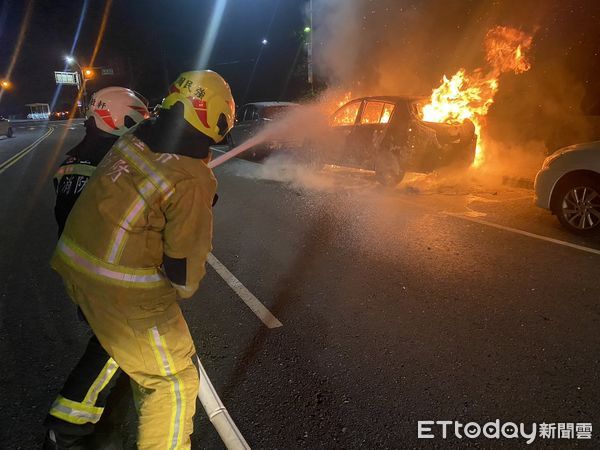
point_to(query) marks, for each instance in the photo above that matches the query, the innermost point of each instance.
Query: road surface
(439, 300)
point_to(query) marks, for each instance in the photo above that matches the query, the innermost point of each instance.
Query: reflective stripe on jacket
(137, 207)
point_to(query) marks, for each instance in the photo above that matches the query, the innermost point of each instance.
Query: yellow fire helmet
(207, 102)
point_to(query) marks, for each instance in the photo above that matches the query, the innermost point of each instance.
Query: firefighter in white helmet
(137, 241)
(112, 112)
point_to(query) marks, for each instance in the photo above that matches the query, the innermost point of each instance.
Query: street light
(89, 74)
(72, 61)
(5, 84)
(264, 41)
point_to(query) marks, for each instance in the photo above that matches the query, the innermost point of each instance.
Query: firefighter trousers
(147, 337)
(93, 403)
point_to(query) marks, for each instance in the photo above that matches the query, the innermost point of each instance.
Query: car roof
(393, 98)
(269, 104)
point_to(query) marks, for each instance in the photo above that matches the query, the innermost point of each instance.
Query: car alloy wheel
(580, 208)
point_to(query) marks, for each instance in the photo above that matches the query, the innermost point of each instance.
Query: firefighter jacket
(74, 173)
(142, 216)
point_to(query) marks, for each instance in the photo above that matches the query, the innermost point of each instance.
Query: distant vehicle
(388, 136)
(250, 119)
(38, 111)
(5, 127)
(569, 186)
(60, 115)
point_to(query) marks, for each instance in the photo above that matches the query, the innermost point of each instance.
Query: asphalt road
(427, 302)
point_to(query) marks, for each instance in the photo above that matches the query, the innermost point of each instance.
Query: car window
(417, 109)
(377, 112)
(272, 112)
(240, 113)
(346, 115)
(251, 113)
(388, 109)
(371, 113)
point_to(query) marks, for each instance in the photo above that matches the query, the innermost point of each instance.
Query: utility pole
(309, 49)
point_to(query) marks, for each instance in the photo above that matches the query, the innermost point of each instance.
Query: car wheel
(387, 169)
(229, 141)
(9, 132)
(577, 205)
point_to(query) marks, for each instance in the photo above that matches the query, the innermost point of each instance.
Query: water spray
(256, 140)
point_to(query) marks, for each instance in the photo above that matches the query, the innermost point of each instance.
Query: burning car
(388, 135)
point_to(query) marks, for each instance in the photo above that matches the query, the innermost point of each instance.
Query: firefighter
(112, 112)
(135, 242)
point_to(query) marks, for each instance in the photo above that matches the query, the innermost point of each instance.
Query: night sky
(148, 42)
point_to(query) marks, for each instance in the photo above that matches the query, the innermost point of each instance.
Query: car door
(336, 149)
(366, 135)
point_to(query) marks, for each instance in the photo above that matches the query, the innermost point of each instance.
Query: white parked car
(5, 127)
(569, 185)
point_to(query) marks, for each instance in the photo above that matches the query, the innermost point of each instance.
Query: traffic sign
(67, 78)
(107, 71)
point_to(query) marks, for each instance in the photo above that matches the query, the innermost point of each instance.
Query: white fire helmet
(117, 109)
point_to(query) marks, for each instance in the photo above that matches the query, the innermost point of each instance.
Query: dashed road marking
(15, 158)
(247, 297)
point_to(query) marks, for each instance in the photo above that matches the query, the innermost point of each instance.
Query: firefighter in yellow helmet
(136, 242)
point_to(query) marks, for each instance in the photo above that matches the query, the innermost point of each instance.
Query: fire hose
(216, 411)
(218, 414)
(236, 151)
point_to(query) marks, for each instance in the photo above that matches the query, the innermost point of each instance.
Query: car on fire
(253, 117)
(568, 185)
(387, 135)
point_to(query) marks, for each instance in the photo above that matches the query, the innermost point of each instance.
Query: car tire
(387, 169)
(229, 141)
(576, 204)
(9, 132)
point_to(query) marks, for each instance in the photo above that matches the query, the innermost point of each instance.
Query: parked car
(388, 136)
(250, 119)
(5, 127)
(569, 186)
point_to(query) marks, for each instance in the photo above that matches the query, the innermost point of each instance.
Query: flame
(387, 113)
(346, 97)
(505, 50)
(470, 96)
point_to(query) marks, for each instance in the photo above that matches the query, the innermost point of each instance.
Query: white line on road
(15, 158)
(526, 233)
(247, 297)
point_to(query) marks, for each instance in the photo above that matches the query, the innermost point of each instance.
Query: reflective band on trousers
(101, 381)
(165, 362)
(74, 412)
(120, 275)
